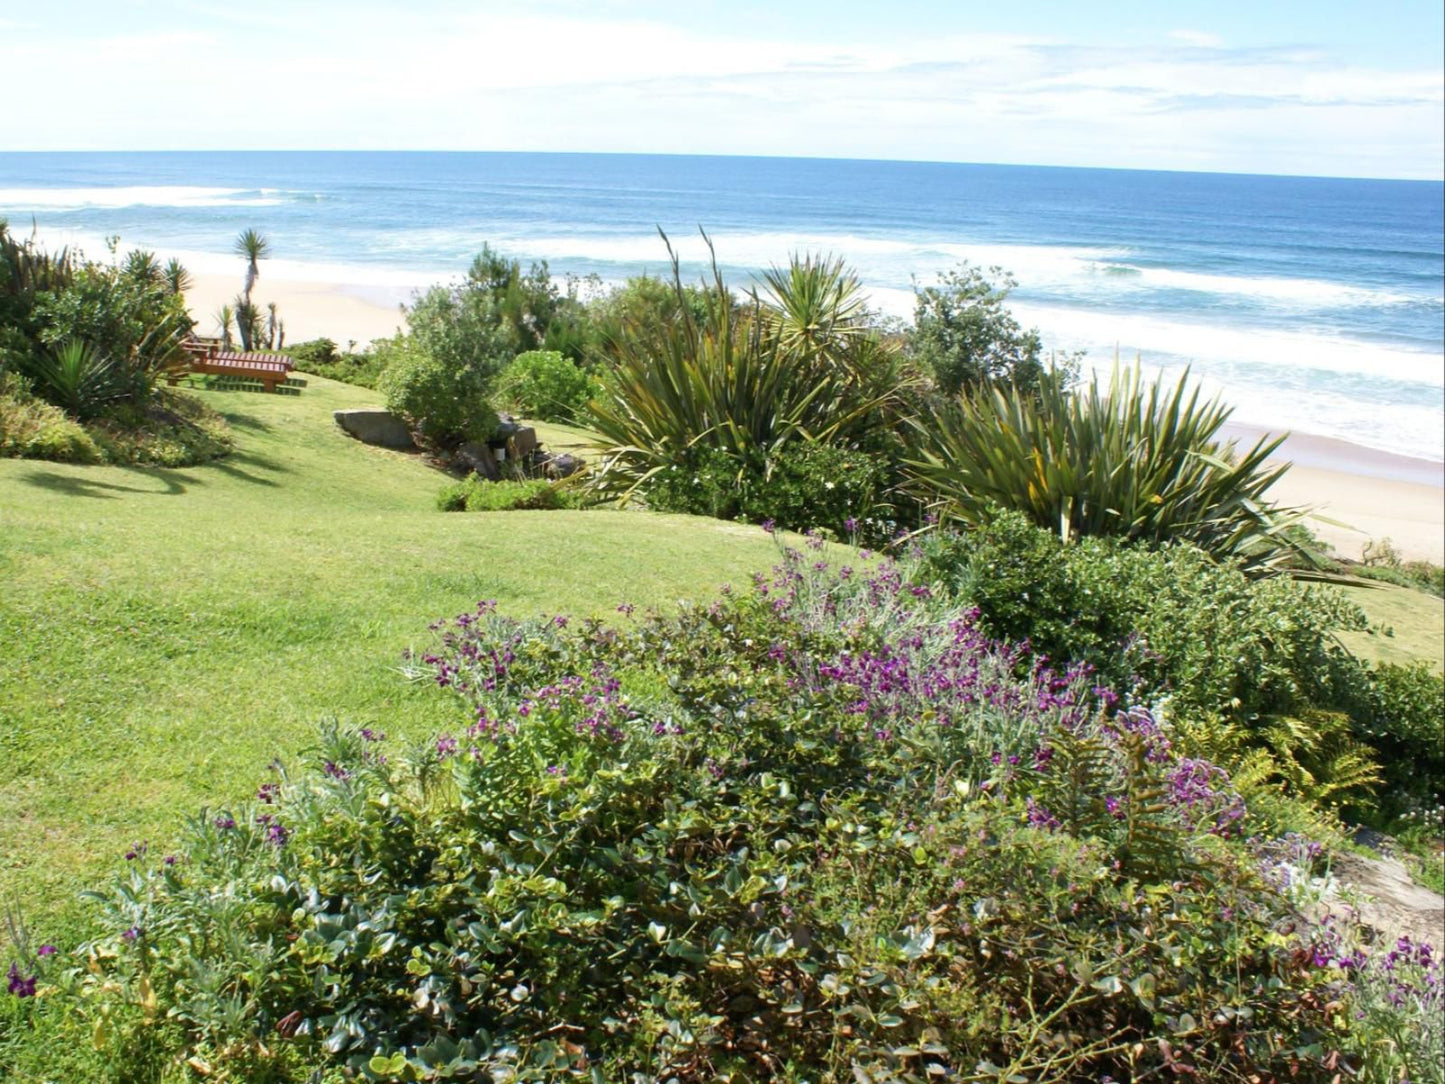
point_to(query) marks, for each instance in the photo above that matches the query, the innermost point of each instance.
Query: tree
(964, 336)
(254, 248)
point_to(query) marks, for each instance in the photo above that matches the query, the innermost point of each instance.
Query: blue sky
(1326, 87)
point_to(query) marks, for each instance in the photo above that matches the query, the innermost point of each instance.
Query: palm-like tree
(224, 316)
(178, 279)
(254, 248)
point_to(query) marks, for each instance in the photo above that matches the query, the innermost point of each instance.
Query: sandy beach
(310, 310)
(1369, 494)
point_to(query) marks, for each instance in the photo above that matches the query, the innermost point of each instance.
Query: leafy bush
(810, 486)
(446, 404)
(823, 830)
(1245, 663)
(322, 358)
(964, 336)
(476, 495)
(173, 430)
(543, 384)
(1137, 462)
(33, 429)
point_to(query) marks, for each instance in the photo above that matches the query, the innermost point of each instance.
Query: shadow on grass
(171, 483)
(248, 422)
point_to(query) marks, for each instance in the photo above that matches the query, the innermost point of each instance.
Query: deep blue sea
(1311, 304)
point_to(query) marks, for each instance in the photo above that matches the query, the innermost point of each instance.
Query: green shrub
(543, 384)
(1135, 461)
(446, 404)
(964, 336)
(1246, 665)
(807, 486)
(33, 429)
(173, 430)
(823, 830)
(321, 358)
(477, 495)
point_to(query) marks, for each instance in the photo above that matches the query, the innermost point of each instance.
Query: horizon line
(760, 157)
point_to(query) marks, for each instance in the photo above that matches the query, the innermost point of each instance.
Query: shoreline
(1371, 494)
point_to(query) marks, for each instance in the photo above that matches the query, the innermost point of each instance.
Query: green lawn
(165, 633)
(1410, 625)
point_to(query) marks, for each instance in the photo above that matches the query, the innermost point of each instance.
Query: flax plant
(745, 380)
(1135, 460)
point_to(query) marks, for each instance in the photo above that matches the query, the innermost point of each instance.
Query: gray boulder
(376, 426)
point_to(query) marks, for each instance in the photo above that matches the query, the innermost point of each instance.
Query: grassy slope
(1412, 625)
(165, 633)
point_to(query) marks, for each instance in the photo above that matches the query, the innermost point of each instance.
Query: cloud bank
(376, 78)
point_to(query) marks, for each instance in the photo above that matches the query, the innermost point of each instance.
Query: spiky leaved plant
(1135, 460)
(254, 248)
(79, 379)
(742, 381)
(178, 279)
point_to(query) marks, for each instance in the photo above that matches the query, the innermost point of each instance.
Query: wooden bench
(208, 358)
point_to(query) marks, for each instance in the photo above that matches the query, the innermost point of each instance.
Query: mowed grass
(165, 633)
(1409, 625)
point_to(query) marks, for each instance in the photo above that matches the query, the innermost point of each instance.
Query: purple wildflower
(131, 934)
(19, 985)
(46, 950)
(769, 526)
(446, 745)
(225, 823)
(850, 525)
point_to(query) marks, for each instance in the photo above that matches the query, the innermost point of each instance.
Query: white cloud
(1201, 38)
(376, 77)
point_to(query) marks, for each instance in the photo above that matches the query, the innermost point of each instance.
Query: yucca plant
(743, 381)
(80, 379)
(1135, 460)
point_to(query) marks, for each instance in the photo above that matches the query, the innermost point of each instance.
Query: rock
(522, 443)
(477, 457)
(1391, 903)
(559, 466)
(376, 426)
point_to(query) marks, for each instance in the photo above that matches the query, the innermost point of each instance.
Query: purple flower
(136, 851)
(1039, 817)
(267, 793)
(225, 823)
(850, 525)
(336, 771)
(625, 609)
(46, 950)
(769, 526)
(170, 860)
(132, 933)
(20, 986)
(446, 745)
(367, 734)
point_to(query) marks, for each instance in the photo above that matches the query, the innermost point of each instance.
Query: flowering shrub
(824, 829)
(1233, 654)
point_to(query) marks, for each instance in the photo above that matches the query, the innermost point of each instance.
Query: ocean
(1311, 304)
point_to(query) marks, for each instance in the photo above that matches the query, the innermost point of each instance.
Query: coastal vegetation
(85, 350)
(1040, 784)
